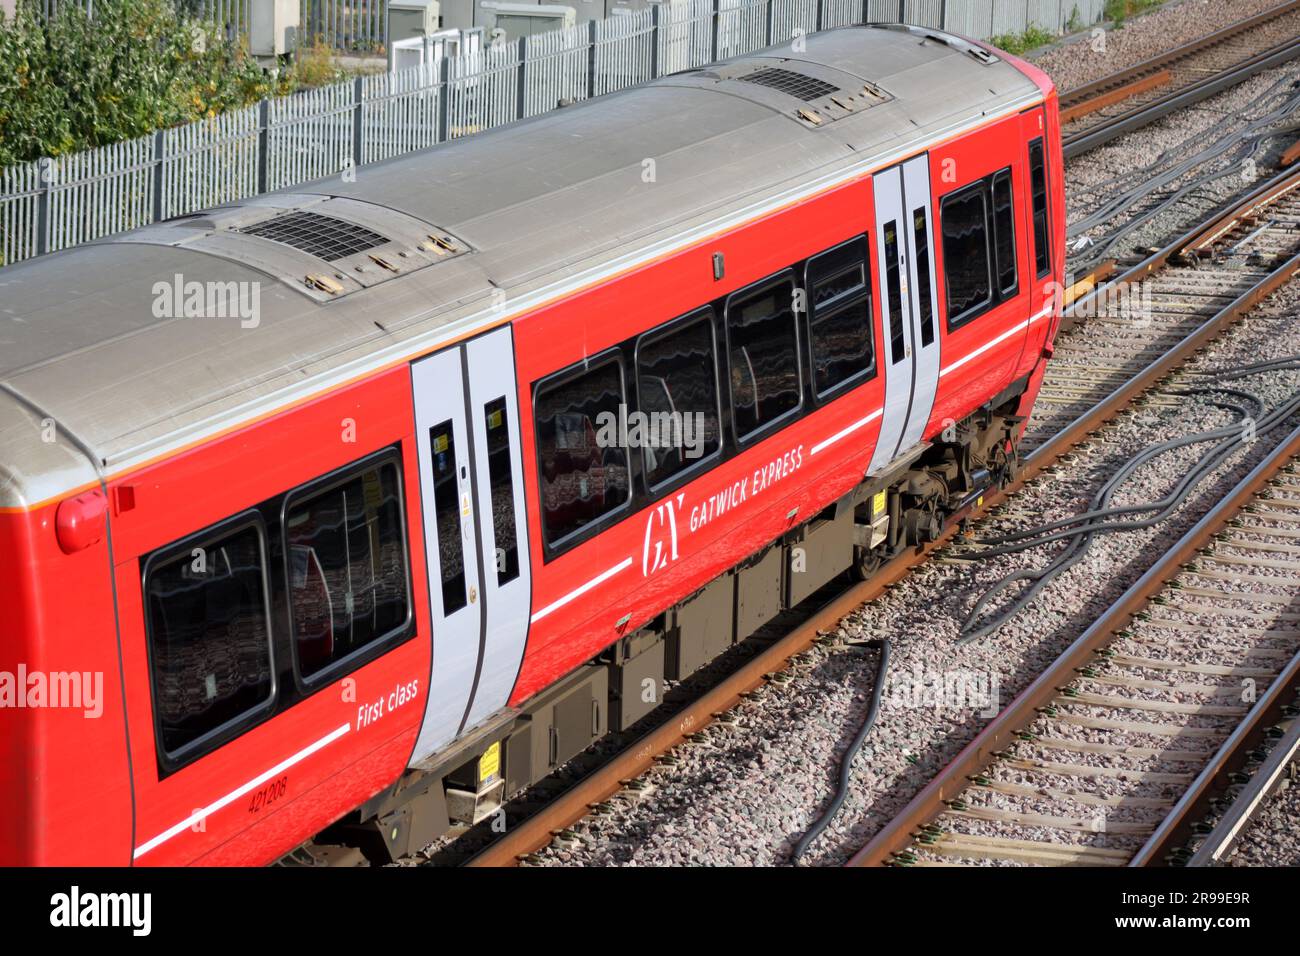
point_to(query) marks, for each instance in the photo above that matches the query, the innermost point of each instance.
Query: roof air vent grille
(322, 236)
(806, 88)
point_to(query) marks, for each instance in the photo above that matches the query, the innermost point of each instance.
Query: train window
(841, 341)
(1038, 186)
(763, 355)
(893, 283)
(346, 560)
(966, 259)
(584, 469)
(921, 234)
(501, 480)
(207, 611)
(446, 513)
(677, 389)
(1004, 231)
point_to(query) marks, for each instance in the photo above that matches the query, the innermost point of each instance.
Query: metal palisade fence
(56, 203)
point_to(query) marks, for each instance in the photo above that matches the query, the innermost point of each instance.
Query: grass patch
(1018, 44)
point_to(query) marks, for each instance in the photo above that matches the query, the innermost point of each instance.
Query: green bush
(1020, 43)
(71, 84)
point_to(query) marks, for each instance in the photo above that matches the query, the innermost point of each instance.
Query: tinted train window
(966, 259)
(677, 389)
(1038, 186)
(584, 471)
(764, 357)
(446, 515)
(894, 287)
(346, 557)
(921, 233)
(505, 538)
(1005, 231)
(840, 337)
(209, 635)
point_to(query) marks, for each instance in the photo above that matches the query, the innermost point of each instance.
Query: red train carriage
(352, 507)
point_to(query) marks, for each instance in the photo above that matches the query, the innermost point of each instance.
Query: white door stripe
(822, 446)
(594, 582)
(253, 784)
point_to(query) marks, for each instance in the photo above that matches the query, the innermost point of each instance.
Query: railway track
(1112, 386)
(1144, 312)
(1106, 758)
(1099, 112)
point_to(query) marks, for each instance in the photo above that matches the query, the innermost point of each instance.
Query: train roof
(351, 275)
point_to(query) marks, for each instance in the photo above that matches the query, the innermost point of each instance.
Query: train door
(471, 484)
(911, 356)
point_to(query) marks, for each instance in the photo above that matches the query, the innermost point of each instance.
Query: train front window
(207, 610)
(584, 467)
(1005, 231)
(346, 557)
(677, 392)
(1038, 187)
(966, 259)
(763, 356)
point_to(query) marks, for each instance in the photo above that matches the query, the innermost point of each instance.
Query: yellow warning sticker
(878, 504)
(979, 502)
(489, 765)
(439, 443)
(495, 418)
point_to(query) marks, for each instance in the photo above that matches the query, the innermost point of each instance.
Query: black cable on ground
(1082, 528)
(846, 765)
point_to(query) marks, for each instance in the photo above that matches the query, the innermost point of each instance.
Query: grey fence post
(902, 11)
(943, 15)
(444, 99)
(591, 58)
(717, 27)
(263, 144)
(45, 169)
(771, 17)
(654, 42)
(159, 147)
(521, 94)
(357, 96)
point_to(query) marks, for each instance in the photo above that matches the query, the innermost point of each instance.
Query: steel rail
(1079, 96)
(902, 831)
(1253, 796)
(1181, 98)
(1176, 828)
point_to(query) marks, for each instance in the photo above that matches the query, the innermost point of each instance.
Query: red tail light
(81, 521)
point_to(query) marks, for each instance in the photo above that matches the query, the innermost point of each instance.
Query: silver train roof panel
(100, 336)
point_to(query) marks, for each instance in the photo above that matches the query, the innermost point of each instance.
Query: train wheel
(866, 562)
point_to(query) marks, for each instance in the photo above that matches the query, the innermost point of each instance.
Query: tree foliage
(73, 82)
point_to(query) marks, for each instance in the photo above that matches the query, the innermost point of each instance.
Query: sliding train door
(471, 484)
(907, 306)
